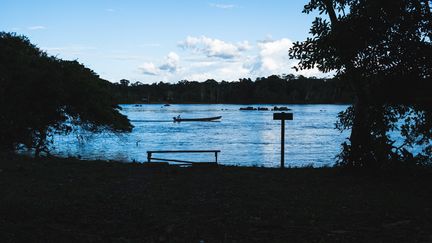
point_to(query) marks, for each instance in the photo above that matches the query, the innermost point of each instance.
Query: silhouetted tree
(124, 82)
(41, 95)
(272, 89)
(383, 49)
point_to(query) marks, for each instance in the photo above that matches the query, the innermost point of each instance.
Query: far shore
(70, 200)
(203, 103)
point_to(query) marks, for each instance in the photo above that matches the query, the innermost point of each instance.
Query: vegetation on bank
(41, 95)
(68, 200)
(381, 53)
(265, 90)
(383, 50)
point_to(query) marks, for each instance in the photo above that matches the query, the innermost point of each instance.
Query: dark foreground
(78, 201)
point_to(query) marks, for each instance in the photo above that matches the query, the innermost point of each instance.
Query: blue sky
(165, 40)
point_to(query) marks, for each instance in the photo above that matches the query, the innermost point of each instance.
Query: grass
(68, 200)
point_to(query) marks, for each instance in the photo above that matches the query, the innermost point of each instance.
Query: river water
(245, 138)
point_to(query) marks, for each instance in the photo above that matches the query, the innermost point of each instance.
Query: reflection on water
(244, 137)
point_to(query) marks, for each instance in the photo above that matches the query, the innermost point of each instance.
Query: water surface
(247, 138)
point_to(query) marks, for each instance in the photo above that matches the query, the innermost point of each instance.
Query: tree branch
(331, 11)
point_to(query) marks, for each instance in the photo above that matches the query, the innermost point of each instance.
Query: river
(245, 138)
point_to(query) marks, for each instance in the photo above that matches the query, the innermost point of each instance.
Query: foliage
(272, 89)
(41, 95)
(384, 50)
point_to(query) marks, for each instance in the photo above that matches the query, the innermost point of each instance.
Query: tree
(383, 49)
(124, 82)
(41, 95)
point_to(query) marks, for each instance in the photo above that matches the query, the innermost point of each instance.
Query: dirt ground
(68, 200)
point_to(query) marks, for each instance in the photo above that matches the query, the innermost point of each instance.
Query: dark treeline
(41, 95)
(384, 50)
(272, 89)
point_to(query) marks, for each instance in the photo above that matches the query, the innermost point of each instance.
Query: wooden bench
(181, 162)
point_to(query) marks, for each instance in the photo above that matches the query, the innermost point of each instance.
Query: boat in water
(206, 119)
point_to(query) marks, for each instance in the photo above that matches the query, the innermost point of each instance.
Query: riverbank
(68, 200)
(163, 103)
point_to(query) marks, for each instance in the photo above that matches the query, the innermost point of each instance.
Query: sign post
(282, 116)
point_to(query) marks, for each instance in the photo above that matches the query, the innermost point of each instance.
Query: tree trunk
(361, 134)
(361, 154)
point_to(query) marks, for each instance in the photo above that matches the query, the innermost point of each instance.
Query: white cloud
(172, 62)
(149, 68)
(199, 76)
(244, 46)
(234, 71)
(222, 6)
(220, 60)
(214, 47)
(110, 10)
(217, 69)
(37, 27)
(273, 56)
(170, 65)
(273, 59)
(201, 64)
(315, 73)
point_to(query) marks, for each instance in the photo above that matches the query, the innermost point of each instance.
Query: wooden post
(282, 116)
(149, 156)
(283, 144)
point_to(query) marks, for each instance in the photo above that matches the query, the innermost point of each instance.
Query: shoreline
(200, 103)
(95, 201)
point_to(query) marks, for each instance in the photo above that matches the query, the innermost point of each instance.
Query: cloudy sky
(165, 40)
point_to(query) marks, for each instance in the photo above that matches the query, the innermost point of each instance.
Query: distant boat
(167, 105)
(282, 108)
(177, 119)
(250, 108)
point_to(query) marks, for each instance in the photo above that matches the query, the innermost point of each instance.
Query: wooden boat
(282, 108)
(176, 119)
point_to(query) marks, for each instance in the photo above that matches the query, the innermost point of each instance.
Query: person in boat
(176, 118)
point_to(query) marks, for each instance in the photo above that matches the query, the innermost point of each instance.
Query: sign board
(282, 116)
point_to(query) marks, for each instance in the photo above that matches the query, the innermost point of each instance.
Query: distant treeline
(272, 89)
